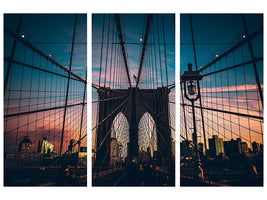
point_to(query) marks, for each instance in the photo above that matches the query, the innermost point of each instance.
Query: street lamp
(191, 92)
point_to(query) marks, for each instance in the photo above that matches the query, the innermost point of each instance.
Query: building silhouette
(244, 147)
(232, 147)
(255, 147)
(44, 147)
(71, 146)
(216, 146)
(186, 148)
(201, 148)
(114, 152)
(25, 147)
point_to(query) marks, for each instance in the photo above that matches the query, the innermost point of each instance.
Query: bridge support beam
(103, 141)
(133, 146)
(155, 102)
(164, 131)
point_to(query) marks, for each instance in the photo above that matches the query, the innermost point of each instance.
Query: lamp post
(189, 80)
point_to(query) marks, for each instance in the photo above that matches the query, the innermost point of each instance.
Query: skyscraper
(216, 146)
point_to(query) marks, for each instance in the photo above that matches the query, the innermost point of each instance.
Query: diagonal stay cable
(143, 106)
(102, 142)
(149, 20)
(22, 64)
(109, 99)
(119, 30)
(109, 115)
(98, 87)
(42, 54)
(165, 56)
(40, 110)
(232, 49)
(155, 127)
(198, 87)
(256, 59)
(228, 112)
(158, 116)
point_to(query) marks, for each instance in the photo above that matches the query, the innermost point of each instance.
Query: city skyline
(133, 99)
(221, 100)
(233, 91)
(134, 28)
(30, 89)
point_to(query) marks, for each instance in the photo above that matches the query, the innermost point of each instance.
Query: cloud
(231, 88)
(218, 123)
(111, 75)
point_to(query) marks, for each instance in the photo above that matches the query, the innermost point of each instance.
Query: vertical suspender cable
(84, 92)
(12, 53)
(200, 101)
(111, 66)
(166, 65)
(68, 83)
(253, 59)
(159, 52)
(155, 54)
(103, 31)
(107, 53)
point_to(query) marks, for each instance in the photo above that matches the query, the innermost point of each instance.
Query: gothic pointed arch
(147, 134)
(120, 131)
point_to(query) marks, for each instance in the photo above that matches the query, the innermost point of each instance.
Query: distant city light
(244, 36)
(50, 55)
(141, 39)
(217, 56)
(22, 36)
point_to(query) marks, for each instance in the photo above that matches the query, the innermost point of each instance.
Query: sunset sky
(233, 90)
(133, 27)
(31, 89)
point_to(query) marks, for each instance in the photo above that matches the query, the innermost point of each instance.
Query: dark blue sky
(31, 88)
(133, 27)
(214, 34)
(52, 33)
(233, 89)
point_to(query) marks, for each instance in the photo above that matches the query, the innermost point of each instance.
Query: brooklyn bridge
(133, 99)
(221, 100)
(45, 101)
